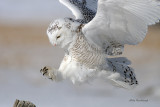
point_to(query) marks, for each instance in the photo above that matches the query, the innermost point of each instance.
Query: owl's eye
(58, 37)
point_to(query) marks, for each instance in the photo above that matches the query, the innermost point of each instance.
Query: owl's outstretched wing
(83, 10)
(120, 22)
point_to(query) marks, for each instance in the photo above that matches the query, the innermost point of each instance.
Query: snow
(24, 81)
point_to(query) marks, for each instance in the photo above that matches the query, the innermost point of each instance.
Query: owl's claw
(44, 70)
(48, 72)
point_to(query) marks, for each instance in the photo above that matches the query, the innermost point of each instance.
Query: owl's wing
(83, 10)
(120, 22)
(121, 74)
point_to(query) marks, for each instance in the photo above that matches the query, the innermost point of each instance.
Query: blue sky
(31, 10)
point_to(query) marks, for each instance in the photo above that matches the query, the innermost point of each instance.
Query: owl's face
(61, 31)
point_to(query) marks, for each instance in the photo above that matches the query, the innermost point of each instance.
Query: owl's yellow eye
(58, 37)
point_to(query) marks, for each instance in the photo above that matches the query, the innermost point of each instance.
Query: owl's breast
(85, 53)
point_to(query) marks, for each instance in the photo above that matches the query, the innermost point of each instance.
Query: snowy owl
(100, 29)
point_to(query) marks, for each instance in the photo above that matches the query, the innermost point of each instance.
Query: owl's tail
(120, 72)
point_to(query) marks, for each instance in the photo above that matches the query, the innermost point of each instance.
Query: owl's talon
(44, 73)
(40, 70)
(44, 70)
(48, 72)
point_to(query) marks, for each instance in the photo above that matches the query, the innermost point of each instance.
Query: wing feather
(122, 21)
(83, 10)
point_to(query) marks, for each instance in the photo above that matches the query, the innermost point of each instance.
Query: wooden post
(19, 103)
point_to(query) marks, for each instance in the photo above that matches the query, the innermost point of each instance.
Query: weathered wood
(20, 103)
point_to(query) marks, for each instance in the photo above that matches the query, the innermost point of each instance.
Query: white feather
(76, 12)
(122, 21)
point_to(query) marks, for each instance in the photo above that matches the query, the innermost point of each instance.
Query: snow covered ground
(20, 79)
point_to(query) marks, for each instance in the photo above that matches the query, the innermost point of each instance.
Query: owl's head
(61, 31)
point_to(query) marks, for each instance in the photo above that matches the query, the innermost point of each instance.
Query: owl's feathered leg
(51, 73)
